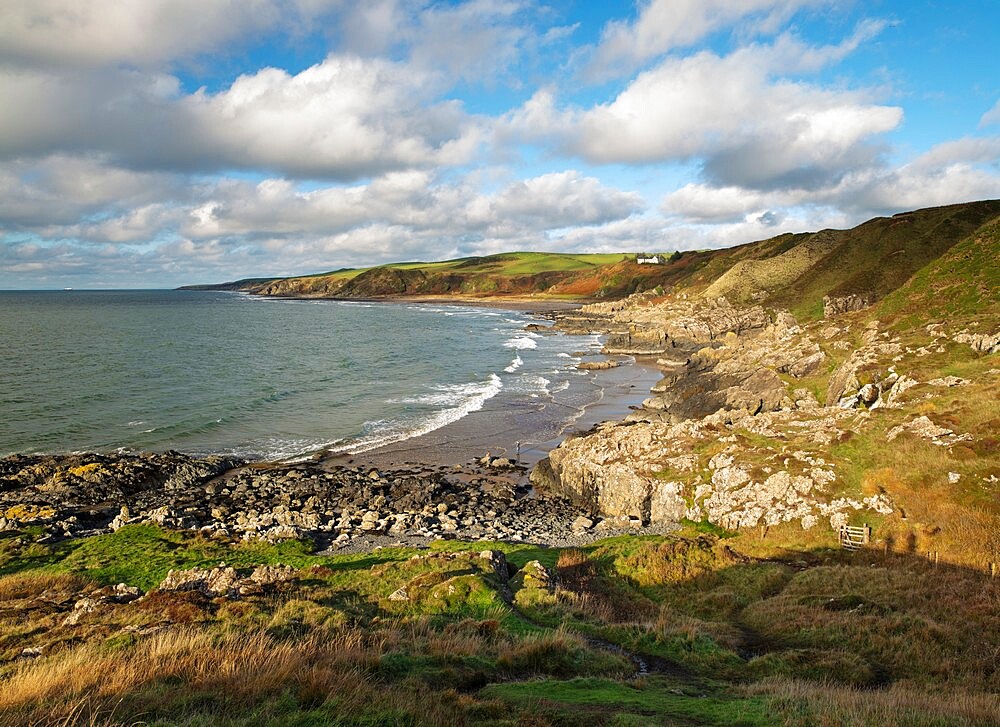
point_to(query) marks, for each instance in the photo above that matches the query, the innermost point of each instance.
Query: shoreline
(620, 390)
(519, 304)
(498, 427)
(628, 383)
(468, 479)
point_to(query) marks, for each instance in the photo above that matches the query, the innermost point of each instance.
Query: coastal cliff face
(762, 419)
(688, 452)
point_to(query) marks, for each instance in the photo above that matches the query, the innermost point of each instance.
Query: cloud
(991, 117)
(410, 201)
(561, 199)
(140, 33)
(751, 126)
(275, 226)
(956, 171)
(344, 118)
(63, 190)
(666, 25)
(473, 41)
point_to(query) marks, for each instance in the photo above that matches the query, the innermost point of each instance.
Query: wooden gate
(853, 538)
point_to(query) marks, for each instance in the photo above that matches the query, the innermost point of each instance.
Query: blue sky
(153, 143)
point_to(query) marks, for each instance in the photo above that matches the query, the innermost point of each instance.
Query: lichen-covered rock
(225, 581)
(982, 342)
(837, 305)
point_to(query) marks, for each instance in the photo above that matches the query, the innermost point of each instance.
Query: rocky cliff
(761, 418)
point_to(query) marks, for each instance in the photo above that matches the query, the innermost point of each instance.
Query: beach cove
(452, 452)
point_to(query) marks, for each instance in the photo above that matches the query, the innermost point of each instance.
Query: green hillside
(869, 261)
(506, 274)
(796, 271)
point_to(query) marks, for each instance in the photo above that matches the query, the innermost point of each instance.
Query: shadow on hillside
(863, 618)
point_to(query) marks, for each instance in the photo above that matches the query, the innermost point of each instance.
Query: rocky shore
(737, 433)
(339, 507)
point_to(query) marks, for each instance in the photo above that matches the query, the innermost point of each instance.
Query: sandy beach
(519, 430)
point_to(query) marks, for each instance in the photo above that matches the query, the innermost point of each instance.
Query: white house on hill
(650, 259)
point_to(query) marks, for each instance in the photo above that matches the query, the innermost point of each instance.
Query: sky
(156, 143)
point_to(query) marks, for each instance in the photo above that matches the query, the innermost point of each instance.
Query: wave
(444, 395)
(385, 432)
(536, 385)
(521, 343)
(514, 365)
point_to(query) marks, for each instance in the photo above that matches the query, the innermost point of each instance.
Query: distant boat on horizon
(67, 289)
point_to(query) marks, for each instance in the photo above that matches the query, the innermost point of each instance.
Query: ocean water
(214, 372)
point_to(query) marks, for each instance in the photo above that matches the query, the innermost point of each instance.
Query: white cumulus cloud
(666, 25)
(346, 117)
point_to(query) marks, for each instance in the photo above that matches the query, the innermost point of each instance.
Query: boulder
(836, 305)
(225, 581)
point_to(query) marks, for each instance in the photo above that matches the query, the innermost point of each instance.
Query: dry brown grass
(805, 703)
(35, 584)
(241, 668)
(597, 595)
(909, 620)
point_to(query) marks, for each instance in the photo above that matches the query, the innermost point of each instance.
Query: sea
(264, 378)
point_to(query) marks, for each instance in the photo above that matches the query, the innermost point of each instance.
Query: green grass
(652, 701)
(960, 286)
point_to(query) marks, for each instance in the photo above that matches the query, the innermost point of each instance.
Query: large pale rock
(225, 581)
(983, 342)
(836, 305)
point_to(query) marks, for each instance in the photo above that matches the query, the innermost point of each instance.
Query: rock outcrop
(837, 305)
(652, 472)
(225, 581)
(727, 436)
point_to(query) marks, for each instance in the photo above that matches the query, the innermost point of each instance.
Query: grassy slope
(517, 273)
(882, 254)
(873, 259)
(732, 640)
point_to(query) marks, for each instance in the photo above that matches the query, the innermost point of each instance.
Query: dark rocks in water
(80, 495)
(597, 365)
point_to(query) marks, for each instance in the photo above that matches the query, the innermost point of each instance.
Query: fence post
(868, 534)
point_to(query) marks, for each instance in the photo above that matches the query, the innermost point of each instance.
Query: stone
(81, 608)
(399, 594)
(949, 381)
(837, 305)
(497, 562)
(124, 593)
(868, 394)
(597, 365)
(224, 580)
(982, 342)
(920, 426)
